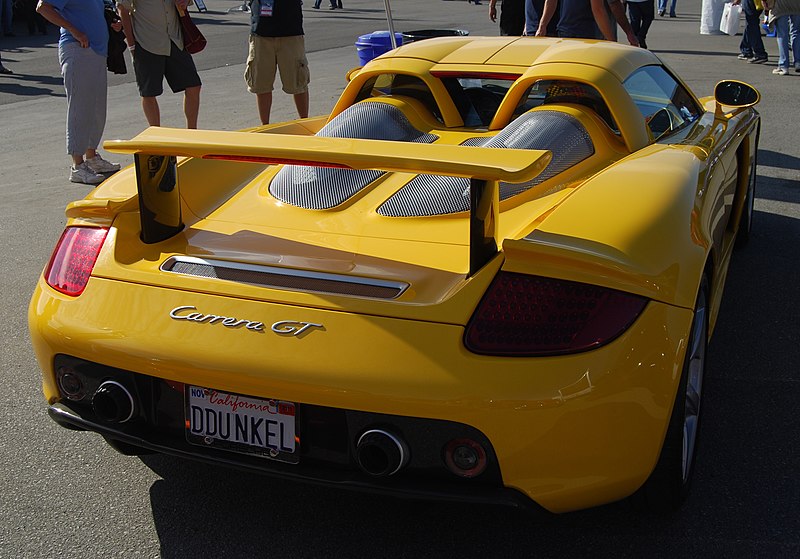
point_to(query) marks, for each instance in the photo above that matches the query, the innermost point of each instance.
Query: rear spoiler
(156, 148)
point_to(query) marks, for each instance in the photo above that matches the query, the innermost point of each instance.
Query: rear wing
(157, 180)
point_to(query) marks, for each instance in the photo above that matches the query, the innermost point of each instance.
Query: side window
(664, 103)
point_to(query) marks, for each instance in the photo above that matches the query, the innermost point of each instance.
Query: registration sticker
(241, 423)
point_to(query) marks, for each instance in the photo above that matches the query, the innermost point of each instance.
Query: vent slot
(284, 278)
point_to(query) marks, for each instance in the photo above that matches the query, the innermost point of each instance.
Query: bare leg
(151, 111)
(264, 101)
(301, 102)
(191, 105)
(77, 160)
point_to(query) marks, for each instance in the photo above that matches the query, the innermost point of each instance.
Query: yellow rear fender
(636, 227)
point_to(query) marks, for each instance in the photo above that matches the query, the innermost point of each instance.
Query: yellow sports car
(490, 274)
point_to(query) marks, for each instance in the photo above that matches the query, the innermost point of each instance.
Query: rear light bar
(522, 315)
(73, 259)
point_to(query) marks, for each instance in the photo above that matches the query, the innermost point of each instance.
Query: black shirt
(286, 19)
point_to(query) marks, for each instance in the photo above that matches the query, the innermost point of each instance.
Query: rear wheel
(667, 487)
(746, 221)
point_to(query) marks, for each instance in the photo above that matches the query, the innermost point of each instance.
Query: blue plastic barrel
(375, 44)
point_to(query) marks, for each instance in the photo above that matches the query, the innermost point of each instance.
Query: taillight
(73, 259)
(524, 315)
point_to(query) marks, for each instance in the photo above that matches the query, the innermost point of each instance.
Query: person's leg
(191, 105)
(151, 111)
(672, 9)
(259, 73)
(782, 36)
(794, 39)
(635, 15)
(662, 7)
(290, 53)
(301, 102)
(648, 14)
(80, 94)
(264, 102)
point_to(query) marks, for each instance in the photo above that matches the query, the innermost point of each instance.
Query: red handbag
(193, 39)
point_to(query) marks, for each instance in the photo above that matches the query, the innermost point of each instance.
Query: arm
(547, 14)
(127, 25)
(618, 9)
(492, 10)
(48, 12)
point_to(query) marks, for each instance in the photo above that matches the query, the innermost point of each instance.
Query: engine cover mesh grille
(321, 188)
(561, 133)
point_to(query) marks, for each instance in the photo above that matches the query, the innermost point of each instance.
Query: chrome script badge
(282, 327)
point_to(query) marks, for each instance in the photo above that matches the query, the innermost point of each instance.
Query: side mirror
(736, 94)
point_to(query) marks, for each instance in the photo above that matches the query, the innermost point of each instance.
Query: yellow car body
(363, 321)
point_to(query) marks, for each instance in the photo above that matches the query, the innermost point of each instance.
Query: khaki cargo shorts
(270, 54)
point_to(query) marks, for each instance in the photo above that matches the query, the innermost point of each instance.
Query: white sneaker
(100, 165)
(84, 175)
(780, 71)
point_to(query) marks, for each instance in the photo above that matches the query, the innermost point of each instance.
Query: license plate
(241, 423)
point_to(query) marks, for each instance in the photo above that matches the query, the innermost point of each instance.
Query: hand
(633, 40)
(492, 13)
(82, 39)
(116, 26)
(181, 4)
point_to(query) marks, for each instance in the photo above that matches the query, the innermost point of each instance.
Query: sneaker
(758, 60)
(780, 71)
(84, 175)
(797, 68)
(744, 56)
(661, 13)
(99, 165)
(4, 70)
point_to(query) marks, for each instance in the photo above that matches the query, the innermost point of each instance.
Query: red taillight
(525, 315)
(73, 259)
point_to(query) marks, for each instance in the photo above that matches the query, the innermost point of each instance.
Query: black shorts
(151, 69)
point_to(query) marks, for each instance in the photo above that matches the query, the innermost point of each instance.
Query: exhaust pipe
(380, 453)
(113, 403)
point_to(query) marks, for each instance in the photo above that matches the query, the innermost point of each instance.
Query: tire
(746, 221)
(667, 487)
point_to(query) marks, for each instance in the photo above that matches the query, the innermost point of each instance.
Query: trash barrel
(420, 34)
(375, 44)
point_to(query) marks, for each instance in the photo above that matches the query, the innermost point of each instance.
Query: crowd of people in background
(277, 48)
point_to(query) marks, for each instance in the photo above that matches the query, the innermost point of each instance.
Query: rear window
(547, 92)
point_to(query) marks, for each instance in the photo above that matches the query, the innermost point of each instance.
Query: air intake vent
(284, 278)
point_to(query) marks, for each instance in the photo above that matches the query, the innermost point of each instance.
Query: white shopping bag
(731, 14)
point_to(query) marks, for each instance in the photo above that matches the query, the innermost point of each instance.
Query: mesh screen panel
(563, 134)
(321, 188)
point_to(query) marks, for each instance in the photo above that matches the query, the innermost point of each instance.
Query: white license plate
(241, 423)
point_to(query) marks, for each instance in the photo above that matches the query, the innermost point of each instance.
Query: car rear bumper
(568, 432)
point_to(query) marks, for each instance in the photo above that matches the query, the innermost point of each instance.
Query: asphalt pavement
(66, 494)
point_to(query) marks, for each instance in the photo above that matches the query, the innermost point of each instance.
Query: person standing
(751, 46)
(82, 50)
(586, 19)
(512, 16)
(642, 13)
(277, 44)
(154, 37)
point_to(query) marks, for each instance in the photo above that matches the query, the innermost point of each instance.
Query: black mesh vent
(563, 134)
(321, 188)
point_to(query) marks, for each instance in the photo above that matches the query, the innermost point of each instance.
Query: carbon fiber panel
(561, 133)
(321, 188)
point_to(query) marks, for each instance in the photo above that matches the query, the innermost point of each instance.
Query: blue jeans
(6, 15)
(787, 30)
(662, 7)
(751, 44)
